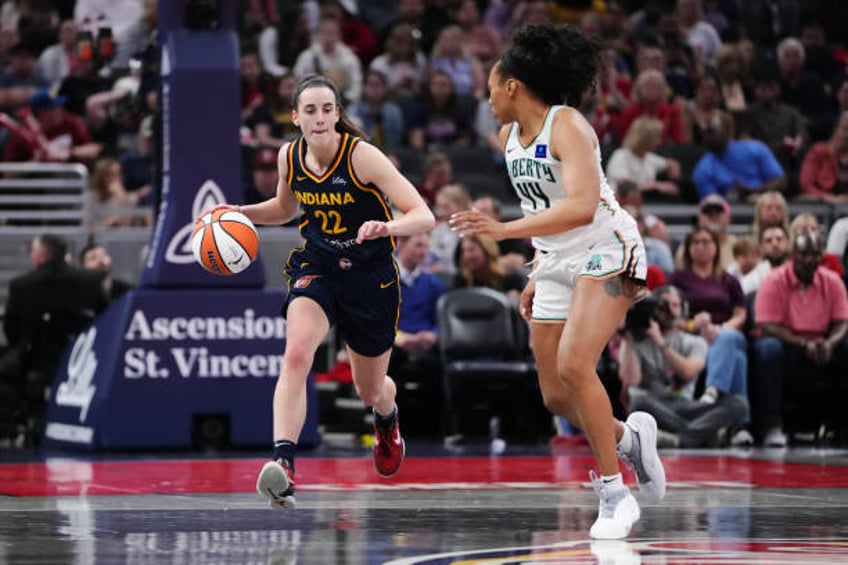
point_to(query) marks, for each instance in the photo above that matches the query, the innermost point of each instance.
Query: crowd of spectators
(705, 103)
(79, 85)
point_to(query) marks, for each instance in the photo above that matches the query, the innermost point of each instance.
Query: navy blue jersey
(334, 205)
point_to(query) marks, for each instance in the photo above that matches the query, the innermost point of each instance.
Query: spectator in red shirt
(53, 135)
(355, 33)
(649, 94)
(802, 311)
(824, 171)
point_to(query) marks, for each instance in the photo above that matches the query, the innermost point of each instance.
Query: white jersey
(537, 179)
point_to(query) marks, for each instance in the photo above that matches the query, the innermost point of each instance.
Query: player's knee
(571, 373)
(370, 395)
(556, 403)
(297, 359)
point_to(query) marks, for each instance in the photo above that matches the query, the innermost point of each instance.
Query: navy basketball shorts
(361, 300)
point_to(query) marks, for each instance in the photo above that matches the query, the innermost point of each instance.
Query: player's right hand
(525, 301)
(218, 207)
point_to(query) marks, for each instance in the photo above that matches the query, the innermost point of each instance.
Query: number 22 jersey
(335, 204)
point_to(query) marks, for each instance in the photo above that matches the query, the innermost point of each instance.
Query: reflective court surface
(753, 506)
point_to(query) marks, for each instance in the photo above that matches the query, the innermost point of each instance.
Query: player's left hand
(372, 229)
(475, 222)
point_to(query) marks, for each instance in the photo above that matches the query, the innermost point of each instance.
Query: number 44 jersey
(537, 179)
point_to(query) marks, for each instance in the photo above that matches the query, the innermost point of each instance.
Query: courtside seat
(688, 155)
(487, 371)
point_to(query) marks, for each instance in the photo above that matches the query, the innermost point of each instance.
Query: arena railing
(39, 198)
(43, 194)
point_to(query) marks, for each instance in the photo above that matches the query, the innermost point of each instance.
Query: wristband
(690, 326)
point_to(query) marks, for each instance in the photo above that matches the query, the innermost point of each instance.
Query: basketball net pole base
(157, 361)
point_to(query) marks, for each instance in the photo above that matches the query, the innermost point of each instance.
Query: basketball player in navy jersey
(590, 261)
(344, 274)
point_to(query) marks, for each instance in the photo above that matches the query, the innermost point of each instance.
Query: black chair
(486, 365)
(471, 160)
(688, 155)
(411, 162)
(813, 405)
(40, 360)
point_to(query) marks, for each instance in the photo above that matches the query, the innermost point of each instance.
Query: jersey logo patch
(594, 263)
(541, 151)
(304, 281)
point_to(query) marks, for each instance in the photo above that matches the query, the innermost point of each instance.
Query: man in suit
(44, 309)
(95, 257)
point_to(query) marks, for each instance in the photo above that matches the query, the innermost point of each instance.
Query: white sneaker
(617, 510)
(710, 395)
(643, 456)
(614, 552)
(775, 438)
(742, 438)
(276, 483)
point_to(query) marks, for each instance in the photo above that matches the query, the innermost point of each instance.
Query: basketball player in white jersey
(590, 261)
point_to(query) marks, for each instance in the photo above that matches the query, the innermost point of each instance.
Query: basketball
(224, 242)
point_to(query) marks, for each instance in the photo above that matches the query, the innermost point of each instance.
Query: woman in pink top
(824, 171)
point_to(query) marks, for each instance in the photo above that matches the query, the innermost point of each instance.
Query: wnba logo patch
(304, 281)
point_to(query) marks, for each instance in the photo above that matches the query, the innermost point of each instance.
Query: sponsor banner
(201, 151)
(159, 362)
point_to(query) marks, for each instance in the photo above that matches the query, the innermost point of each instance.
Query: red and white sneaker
(276, 482)
(389, 449)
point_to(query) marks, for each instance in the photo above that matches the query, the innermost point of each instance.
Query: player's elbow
(585, 213)
(429, 221)
(422, 218)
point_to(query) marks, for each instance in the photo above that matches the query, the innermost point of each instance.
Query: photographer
(659, 365)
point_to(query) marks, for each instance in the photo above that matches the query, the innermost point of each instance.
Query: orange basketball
(224, 242)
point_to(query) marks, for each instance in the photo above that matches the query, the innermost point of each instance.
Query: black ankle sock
(284, 449)
(385, 422)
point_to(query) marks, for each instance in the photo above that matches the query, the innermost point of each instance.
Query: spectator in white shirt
(700, 34)
(774, 249)
(837, 238)
(54, 63)
(330, 57)
(636, 161)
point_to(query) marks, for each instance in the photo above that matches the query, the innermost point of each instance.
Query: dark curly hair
(556, 62)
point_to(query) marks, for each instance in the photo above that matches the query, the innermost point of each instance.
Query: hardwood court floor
(752, 506)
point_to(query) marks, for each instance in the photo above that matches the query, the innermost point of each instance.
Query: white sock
(613, 480)
(625, 444)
